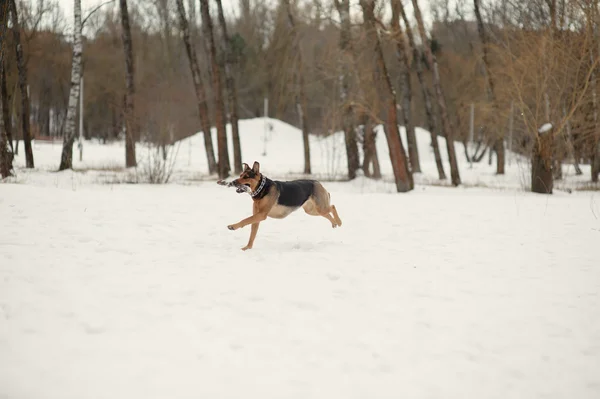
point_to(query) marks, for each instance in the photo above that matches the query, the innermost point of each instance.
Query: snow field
(140, 291)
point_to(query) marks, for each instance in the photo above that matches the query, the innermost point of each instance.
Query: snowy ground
(140, 291)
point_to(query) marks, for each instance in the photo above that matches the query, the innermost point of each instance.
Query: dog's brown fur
(318, 203)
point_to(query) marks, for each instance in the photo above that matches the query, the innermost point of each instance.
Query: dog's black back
(294, 193)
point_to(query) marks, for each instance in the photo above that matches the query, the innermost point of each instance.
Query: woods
(487, 75)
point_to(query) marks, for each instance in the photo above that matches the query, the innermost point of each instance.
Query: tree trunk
(541, 163)
(301, 92)
(5, 105)
(22, 68)
(499, 142)
(231, 87)
(66, 159)
(431, 121)
(370, 149)
(411, 139)
(192, 21)
(402, 173)
(131, 135)
(596, 162)
(6, 156)
(198, 89)
(446, 125)
(224, 165)
(343, 9)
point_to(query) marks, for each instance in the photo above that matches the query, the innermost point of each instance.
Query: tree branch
(93, 11)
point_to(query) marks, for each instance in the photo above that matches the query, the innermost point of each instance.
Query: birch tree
(199, 90)
(66, 158)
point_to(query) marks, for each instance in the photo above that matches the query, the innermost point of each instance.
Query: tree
(499, 142)
(131, 131)
(348, 121)
(22, 69)
(446, 125)
(6, 156)
(223, 165)
(300, 94)
(230, 85)
(431, 121)
(198, 88)
(541, 161)
(402, 173)
(66, 159)
(413, 151)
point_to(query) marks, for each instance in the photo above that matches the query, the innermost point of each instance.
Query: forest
(505, 75)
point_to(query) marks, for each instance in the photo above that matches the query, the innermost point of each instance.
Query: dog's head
(250, 177)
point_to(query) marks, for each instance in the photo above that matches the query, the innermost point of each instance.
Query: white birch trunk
(67, 152)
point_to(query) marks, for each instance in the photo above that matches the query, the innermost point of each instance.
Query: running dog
(277, 199)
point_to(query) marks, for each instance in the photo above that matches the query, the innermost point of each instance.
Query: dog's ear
(246, 167)
(256, 167)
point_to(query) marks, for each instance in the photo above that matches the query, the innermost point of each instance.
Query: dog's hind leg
(336, 216)
(312, 208)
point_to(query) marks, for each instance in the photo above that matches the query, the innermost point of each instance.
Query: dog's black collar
(261, 186)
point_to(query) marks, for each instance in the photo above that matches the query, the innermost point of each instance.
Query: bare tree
(447, 127)
(231, 88)
(430, 116)
(5, 154)
(66, 159)
(402, 173)
(301, 90)
(131, 134)
(22, 69)
(223, 165)
(397, 34)
(348, 121)
(198, 88)
(499, 142)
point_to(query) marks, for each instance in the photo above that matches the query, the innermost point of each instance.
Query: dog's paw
(247, 247)
(231, 227)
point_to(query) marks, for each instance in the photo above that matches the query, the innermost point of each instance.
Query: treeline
(490, 72)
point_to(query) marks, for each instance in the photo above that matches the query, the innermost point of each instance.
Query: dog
(278, 199)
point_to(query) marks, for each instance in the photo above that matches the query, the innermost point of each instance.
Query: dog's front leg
(253, 232)
(256, 218)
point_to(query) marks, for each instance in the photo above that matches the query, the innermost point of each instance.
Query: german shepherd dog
(277, 199)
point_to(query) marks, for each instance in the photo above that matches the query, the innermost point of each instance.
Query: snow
(284, 159)
(140, 291)
(545, 128)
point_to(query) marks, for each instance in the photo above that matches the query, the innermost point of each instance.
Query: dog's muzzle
(239, 188)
